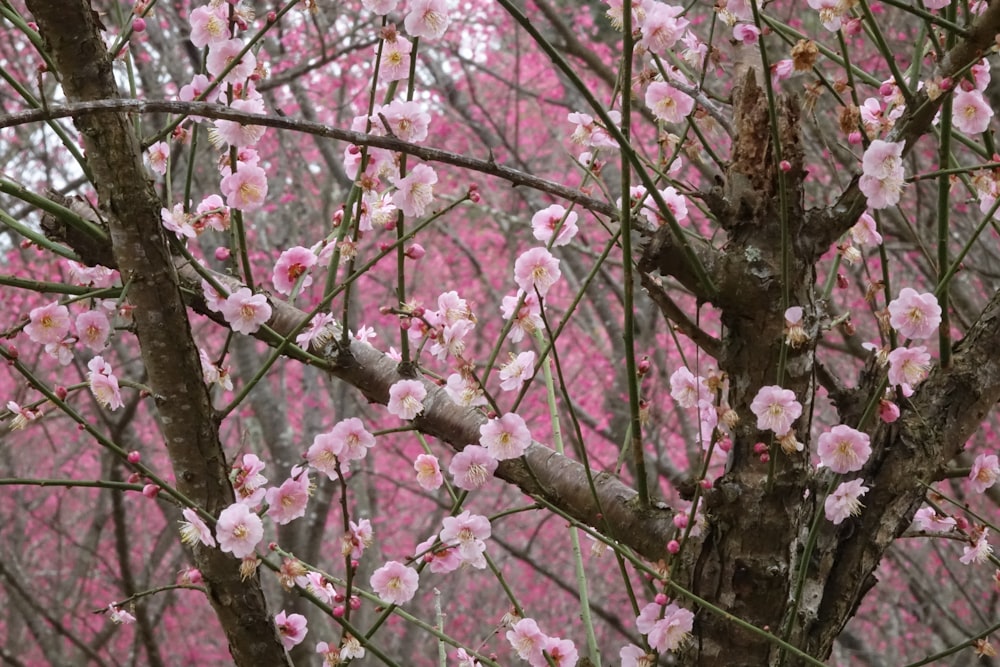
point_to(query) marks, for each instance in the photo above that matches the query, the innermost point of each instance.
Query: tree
(333, 216)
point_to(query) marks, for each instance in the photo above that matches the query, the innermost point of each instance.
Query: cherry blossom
(415, 192)
(472, 467)
(428, 469)
(864, 231)
(915, 316)
(776, 409)
(395, 59)
(985, 472)
(288, 501)
(22, 415)
(358, 538)
(590, 132)
(634, 656)
(843, 449)
(234, 133)
(245, 311)
(120, 616)
(239, 530)
(248, 482)
(405, 398)
(667, 103)
(313, 332)
(291, 628)
(830, 12)
(506, 437)
(545, 222)
(395, 583)
(407, 120)
(178, 221)
(536, 269)
(159, 157)
(463, 659)
(48, 324)
(468, 533)
(561, 652)
(844, 501)
(194, 530)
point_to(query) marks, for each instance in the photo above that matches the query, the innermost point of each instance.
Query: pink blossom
(451, 342)
(245, 311)
(527, 639)
(465, 660)
(936, 4)
(781, 70)
(324, 453)
(927, 520)
(48, 324)
(288, 501)
(245, 189)
(293, 265)
(971, 114)
(291, 628)
(415, 192)
(395, 583)
(843, 449)
(667, 103)
(239, 530)
(517, 371)
(746, 33)
(661, 28)
(882, 173)
(665, 630)
(159, 156)
(95, 276)
(909, 366)
(120, 616)
(380, 6)
(92, 328)
(358, 538)
(472, 467)
(428, 469)
(312, 333)
(844, 501)
(888, 411)
(468, 533)
(985, 472)
(776, 409)
(633, 656)
(405, 398)
(248, 482)
(506, 437)
(213, 300)
(22, 415)
(864, 231)
(209, 25)
(315, 583)
(978, 550)
(407, 120)
(545, 222)
(234, 133)
(223, 53)
(395, 59)
(688, 389)
(427, 18)
(913, 315)
(355, 438)
(590, 132)
(442, 560)
(178, 221)
(830, 12)
(194, 530)
(536, 269)
(464, 391)
(104, 384)
(452, 308)
(528, 317)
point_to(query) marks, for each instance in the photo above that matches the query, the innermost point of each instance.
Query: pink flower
(395, 583)
(589, 132)
(472, 467)
(407, 120)
(528, 317)
(194, 530)
(293, 265)
(355, 438)
(92, 328)
(882, 173)
(843, 502)
(505, 438)
(158, 156)
(864, 231)
(48, 324)
(667, 103)
(358, 538)
(428, 469)
(465, 660)
(545, 222)
(970, 112)
(746, 33)
(246, 312)
(914, 315)
(288, 501)
(776, 409)
(291, 628)
(324, 453)
(842, 449)
(245, 189)
(908, 366)
(22, 415)
(517, 371)
(978, 550)
(312, 333)
(212, 214)
(427, 18)
(380, 6)
(467, 532)
(104, 384)
(665, 630)
(985, 472)
(209, 25)
(527, 639)
(234, 133)
(927, 520)
(415, 192)
(178, 221)
(223, 53)
(451, 342)
(661, 28)
(239, 530)
(395, 59)
(464, 392)
(248, 482)
(688, 389)
(633, 656)
(536, 269)
(405, 398)
(830, 12)
(561, 652)
(120, 616)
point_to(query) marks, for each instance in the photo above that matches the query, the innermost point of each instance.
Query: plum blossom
(235, 133)
(465, 660)
(844, 501)
(407, 120)
(48, 324)
(291, 628)
(864, 231)
(467, 533)
(985, 472)
(978, 550)
(915, 316)
(428, 469)
(293, 265)
(209, 25)
(506, 437)
(527, 318)
(104, 384)
(358, 538)
(590, 132)
(665, 630)
(527, 639)
(661, 28)
(464, 391)
(634, 656)
(239, 530)
(248, 482)
(746, 33)
(313, 332)
(427, 18)
(288, 501)
(560, 651)
(442, 559)
(22, 415)
(882, 173)
(776, 409)
(315, 583)
(517, 371)
(831, 12)
(92, 328)
(405, 398)
(395, 583)
(120, 616)
(843, 449)
(245, 311)
(451, 342)
(472, 467)
(667, 103)
(688, 389)
(380, 6)
(415, 192)
(908, 366)
(927, 520)
(223, 53)
(545, 222)
(194, 530)
(971, 114)
(245, 189)
(395, 59)
(536, 269)
(178, 221)
(159, 156)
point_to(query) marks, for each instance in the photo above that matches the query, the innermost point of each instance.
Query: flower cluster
(538, 648)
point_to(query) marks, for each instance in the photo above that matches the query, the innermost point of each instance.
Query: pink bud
(842, 281)
(384, 246)
(765, 457)
(673, 546)
(150, 490)
(133, 457)
(706, 484)
(725, 444)
(12, 351)
(415, 251)
(644, 366)
(355, 602)
(961, 522)
(681, 520)
(888, 411)
(854, 138)
(661, 599)
(138, 24)
(759, 448)
(886, 89)
(785, 165)
(134, 478)
(272, 17)
(61, 393)
(338, 611)
(222, 253)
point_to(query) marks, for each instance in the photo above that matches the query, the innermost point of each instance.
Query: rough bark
(131, 209)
